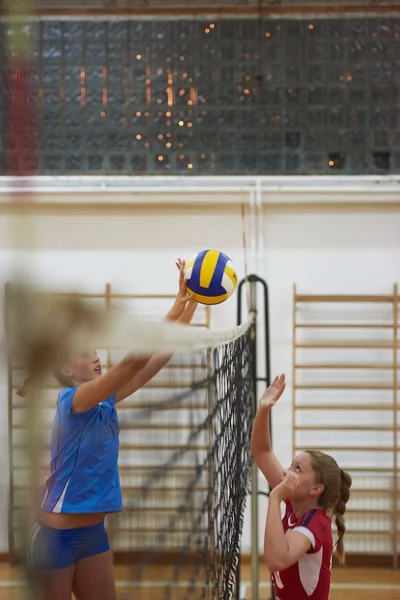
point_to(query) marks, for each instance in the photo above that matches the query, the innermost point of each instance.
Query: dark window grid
(38, 91)
(359, 163)
(93, 162)
(396, 162)
(269, 162)
(228, 162)
(395, 138)
(96, 161)
(50, 163)
(161, 160)
(342, 116)
(75, 30)
(243, 30)
(52, 31)
(116, 82)
(266, 90)
(48, 104)
(382, 139)
(92, 91)
(368, 113)
(124, 138)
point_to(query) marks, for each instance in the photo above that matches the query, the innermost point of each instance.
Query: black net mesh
(182, 523)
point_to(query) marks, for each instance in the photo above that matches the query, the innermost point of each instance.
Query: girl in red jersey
(298, 549)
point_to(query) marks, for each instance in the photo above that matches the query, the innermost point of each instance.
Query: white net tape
(44, 328)
(138, 337)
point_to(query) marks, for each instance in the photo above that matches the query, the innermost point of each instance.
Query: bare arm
(92, 392)
(119, 379)
(157, 362)
(261, 449)
(281, 550)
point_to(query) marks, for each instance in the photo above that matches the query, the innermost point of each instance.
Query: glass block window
(236, 96)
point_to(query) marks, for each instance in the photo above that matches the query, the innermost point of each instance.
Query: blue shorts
(59, 548)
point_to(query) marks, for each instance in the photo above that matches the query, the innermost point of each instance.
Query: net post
(255, 567)
(211, 566)
(253, 280)
(11, 492)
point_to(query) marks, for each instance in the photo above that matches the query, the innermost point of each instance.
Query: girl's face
(83, 367)
(307, 486)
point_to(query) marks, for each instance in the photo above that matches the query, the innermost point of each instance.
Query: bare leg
(56, 585)
(94, 578)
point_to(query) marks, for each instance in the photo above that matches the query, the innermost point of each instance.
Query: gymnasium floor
(348, 584)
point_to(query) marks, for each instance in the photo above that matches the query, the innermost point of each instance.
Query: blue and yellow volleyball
(211, 277)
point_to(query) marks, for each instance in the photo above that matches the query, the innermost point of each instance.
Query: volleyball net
(184, 513)
(184, 443)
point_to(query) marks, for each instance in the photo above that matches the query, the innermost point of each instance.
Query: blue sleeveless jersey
(84, 459)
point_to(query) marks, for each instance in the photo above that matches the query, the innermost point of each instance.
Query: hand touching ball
(211, 277)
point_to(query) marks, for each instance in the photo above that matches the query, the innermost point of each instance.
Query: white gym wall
(347, 242)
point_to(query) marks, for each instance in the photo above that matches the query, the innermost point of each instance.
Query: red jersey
(310, 577)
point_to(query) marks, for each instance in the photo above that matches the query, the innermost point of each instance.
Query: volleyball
(211, 277)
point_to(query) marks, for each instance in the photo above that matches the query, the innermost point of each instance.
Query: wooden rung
(160, 385)
(373, 470)
(162, 447)
(344, 428)
(166, 488)
(344, 407)
(50, 386)
(163, 509)
(327, 366)
(343, 298)
(344, 386)
(194, 487)
(343, 344)
(171, 385)
(144, 509)
(170, 365)
(166, 427)
(158, 405)
(344, 326)
(383, 532)
(167, 406)
(142, 296)
(159, 530)
(144, 427)
(347, 448)
(185, 366)
(73, 295)
(372, 491)
(368, 511)
(125, 470)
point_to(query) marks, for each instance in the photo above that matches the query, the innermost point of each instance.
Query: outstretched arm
(91, 393)
(156, 362)
(121, 376)
(261, 449)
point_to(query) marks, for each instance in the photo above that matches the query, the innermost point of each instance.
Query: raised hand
(287, 486)
(182, 295)
(272, 394)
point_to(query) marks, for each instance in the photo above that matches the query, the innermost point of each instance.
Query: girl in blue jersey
(70, 550)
